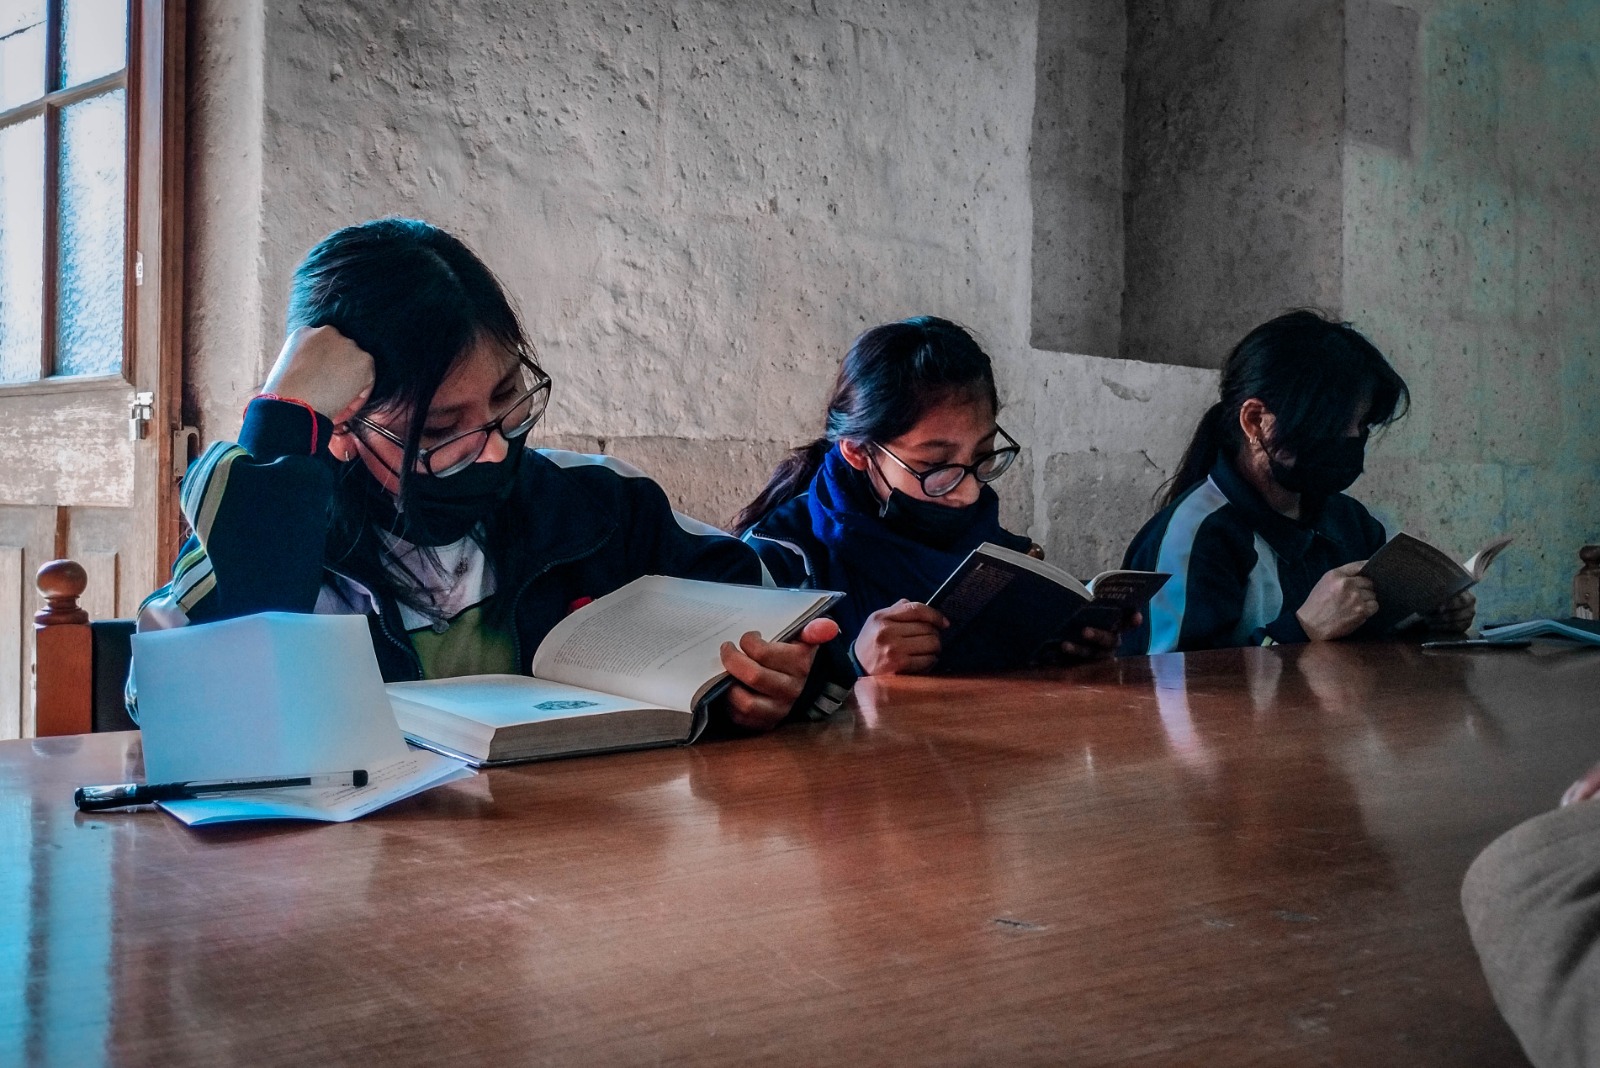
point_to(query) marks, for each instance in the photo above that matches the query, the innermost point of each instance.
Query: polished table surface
(1234, 858)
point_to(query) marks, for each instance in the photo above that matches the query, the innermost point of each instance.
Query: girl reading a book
(383, 470)
(1263, 545)
(895, 494)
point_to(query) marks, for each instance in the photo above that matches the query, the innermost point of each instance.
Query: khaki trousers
(1532, 901)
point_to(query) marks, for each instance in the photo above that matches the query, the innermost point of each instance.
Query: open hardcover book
(1005, 608)
(1412, 577)
(633, 669)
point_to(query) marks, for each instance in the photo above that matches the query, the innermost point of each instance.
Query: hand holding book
(1341, 601)
(906, 639)
(1454, 616)
(902, 639)
(1100, 643)
(1416, 580)
(1007, 610)
(770, 676)
(640, 666)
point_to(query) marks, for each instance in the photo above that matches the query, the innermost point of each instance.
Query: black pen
(124, 795)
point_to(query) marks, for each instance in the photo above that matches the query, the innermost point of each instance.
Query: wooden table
(1237, 858)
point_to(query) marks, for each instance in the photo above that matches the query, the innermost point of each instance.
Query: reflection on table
(1234, 857)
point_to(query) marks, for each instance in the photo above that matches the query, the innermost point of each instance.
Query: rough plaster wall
(225, 327)
(1234, 126)
(1472, 249)
(698, 206)
(1076, 171)
(1115, 431)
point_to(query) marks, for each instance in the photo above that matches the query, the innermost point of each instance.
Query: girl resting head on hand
(383, 470)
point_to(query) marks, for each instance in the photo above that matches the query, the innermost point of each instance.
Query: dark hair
(890, 378)
(417, 300)
(1310, 372)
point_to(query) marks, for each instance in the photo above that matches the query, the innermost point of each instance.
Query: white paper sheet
(270, 695)
(411, 774)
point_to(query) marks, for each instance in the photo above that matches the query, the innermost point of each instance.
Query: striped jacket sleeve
(1224, 590)
(258, 512)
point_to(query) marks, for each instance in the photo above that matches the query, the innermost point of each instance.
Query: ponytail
(1313, 374)
(789, 480)
(1209, 438)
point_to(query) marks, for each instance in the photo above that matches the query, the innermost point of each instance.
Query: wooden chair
(81, 666)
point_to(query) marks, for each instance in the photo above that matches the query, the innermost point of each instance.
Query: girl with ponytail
(1263, 545)
(894, 494)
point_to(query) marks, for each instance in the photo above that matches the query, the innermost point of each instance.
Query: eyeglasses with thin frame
(941, 479)
(460, 451)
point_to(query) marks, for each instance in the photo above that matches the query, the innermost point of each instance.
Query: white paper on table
(411, 774)
(273, 695)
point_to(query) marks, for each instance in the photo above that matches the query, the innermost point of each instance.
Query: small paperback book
(1006, 608)
(1412, 577)
(630, 670)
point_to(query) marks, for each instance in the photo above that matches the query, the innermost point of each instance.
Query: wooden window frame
(156, 232)
(49, 108)
(152, 336)
(152, 80)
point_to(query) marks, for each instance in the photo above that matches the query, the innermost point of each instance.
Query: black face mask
(936, 525)
(439, 511)
(1323, 467)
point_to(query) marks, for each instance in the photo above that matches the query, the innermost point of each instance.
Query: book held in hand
(1412, 577)
(1006, 609)
(630, 670)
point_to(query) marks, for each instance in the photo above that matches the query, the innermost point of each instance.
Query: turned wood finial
(61, 583)
(1586, 584)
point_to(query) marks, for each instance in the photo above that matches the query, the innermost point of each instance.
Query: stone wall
(1235, 124)
(1076, 186)
(1472, 255)
(699, 205)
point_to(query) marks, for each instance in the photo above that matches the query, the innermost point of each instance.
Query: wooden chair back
(80, 665)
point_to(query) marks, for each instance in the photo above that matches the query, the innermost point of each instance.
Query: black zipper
(405, 647)
(527, 583)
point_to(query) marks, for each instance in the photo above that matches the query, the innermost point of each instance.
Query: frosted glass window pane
(21, 53)
(15, 14)
(94, 39)
(89, 298)
(21, 249)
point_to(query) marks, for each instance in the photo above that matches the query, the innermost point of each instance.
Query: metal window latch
(185, 444)
(140, 412)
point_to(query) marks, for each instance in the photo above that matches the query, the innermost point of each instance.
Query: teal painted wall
(1472, 257)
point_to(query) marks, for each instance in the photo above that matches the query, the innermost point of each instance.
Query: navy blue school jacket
(1240, 570)
(260, 512)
